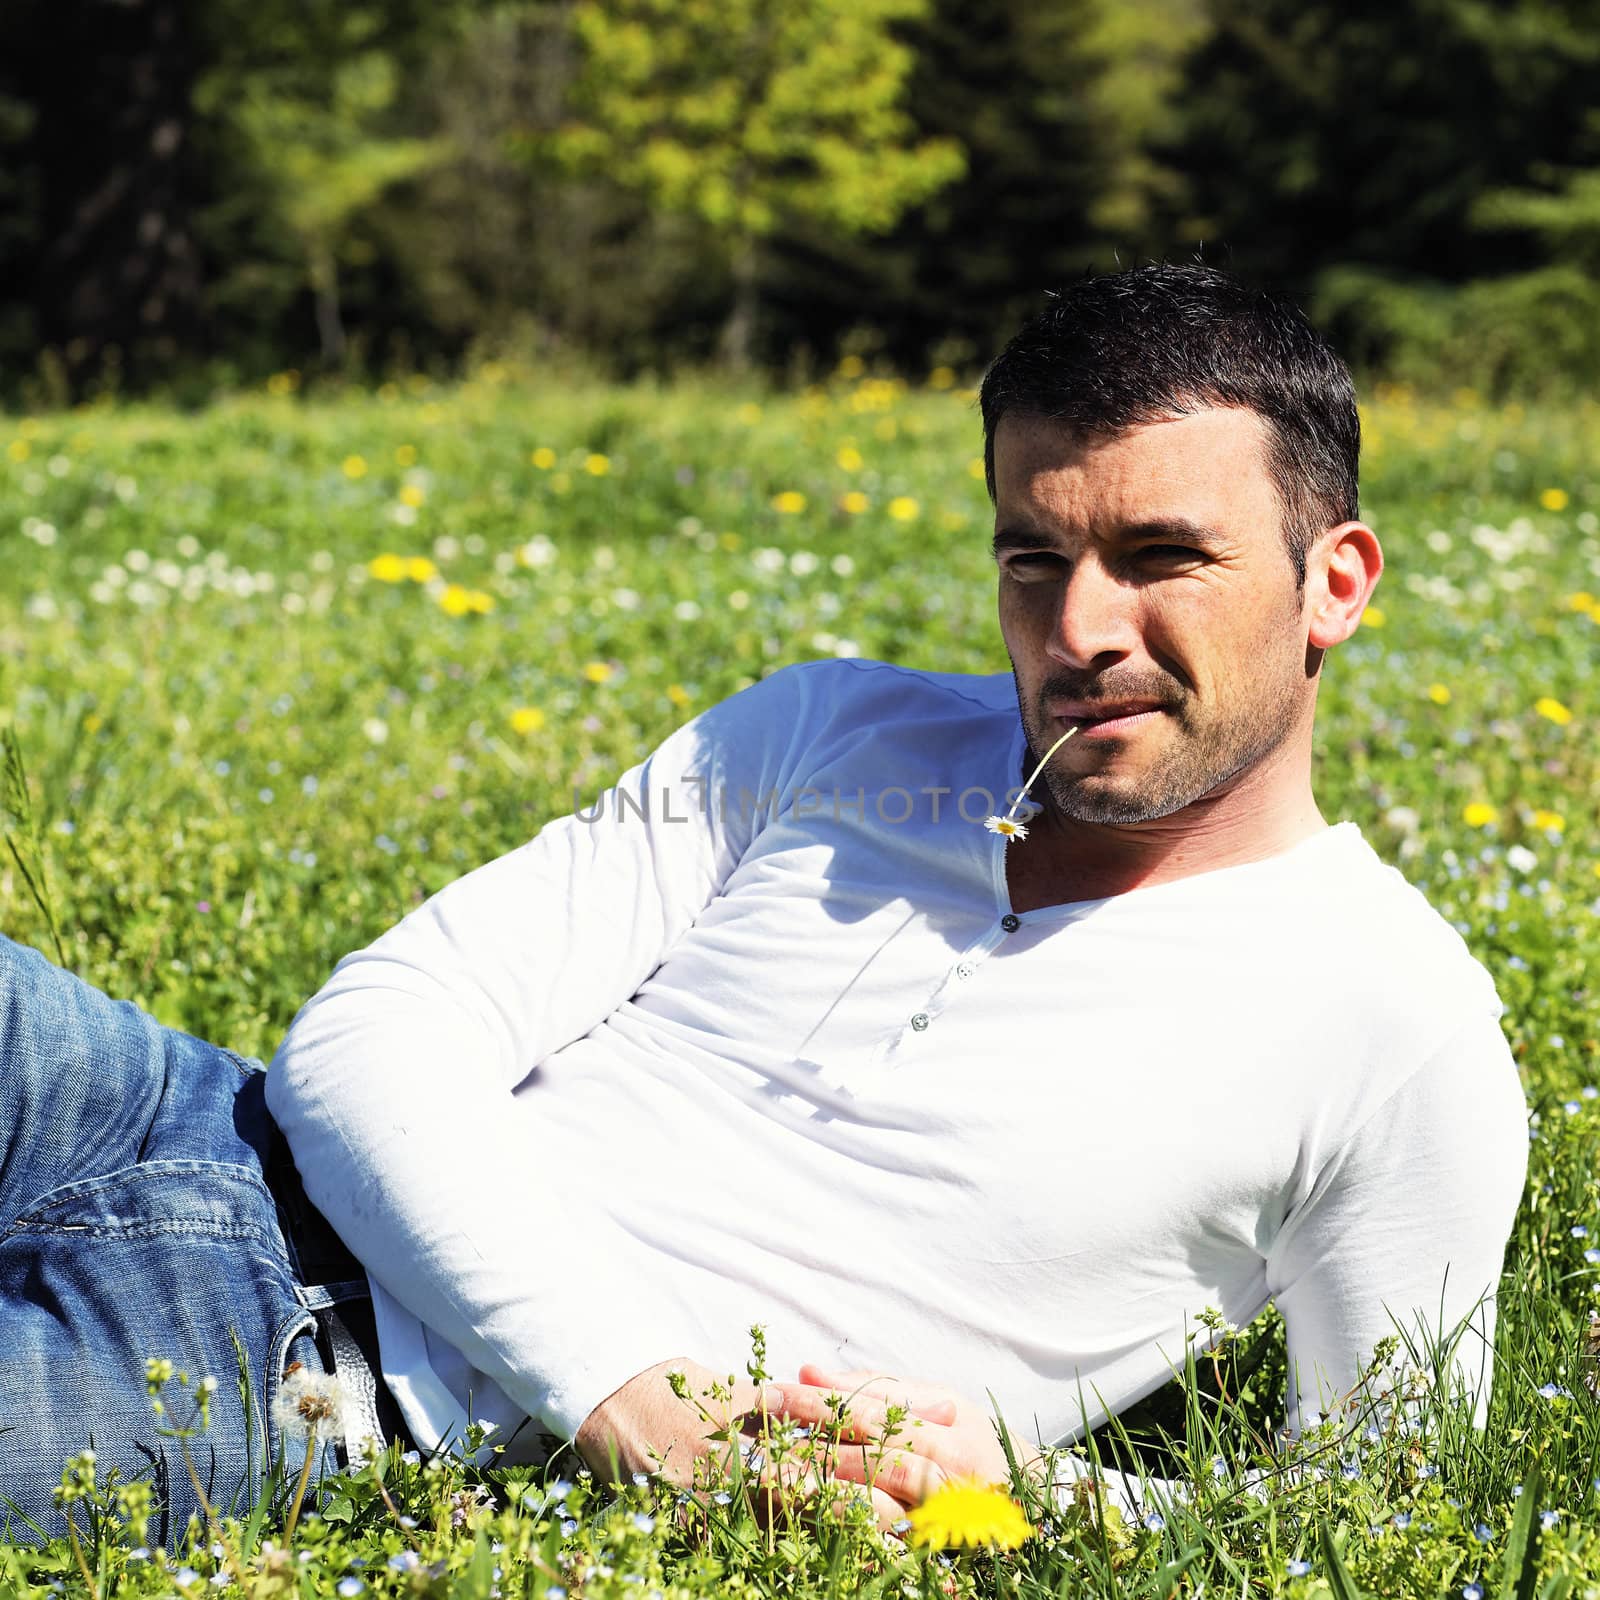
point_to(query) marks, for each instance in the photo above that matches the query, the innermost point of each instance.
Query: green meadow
(281, 667)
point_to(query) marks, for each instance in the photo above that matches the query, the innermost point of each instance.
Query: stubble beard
(1199, 758)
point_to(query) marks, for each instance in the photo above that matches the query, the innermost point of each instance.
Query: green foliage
(745, 113)
(1527, 333)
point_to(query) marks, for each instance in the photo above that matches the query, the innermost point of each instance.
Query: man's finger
(795, 1487)
(866, 1416)
(908, 1478)
(931, 1400)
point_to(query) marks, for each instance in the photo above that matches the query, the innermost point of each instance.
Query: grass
(253, 743)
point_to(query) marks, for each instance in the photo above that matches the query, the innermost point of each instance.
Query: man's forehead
(1213, 457)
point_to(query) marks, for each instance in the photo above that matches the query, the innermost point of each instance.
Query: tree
(319, 160)
(750, 115)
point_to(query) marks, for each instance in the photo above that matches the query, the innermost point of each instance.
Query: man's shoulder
(1403, 943)
(856, 689)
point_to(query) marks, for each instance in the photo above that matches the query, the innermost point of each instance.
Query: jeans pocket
(220, 1199)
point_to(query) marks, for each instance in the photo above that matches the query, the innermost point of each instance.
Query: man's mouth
(1104, 720)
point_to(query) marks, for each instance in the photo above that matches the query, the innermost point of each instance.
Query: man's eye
(1169, 550)
(1035, 559)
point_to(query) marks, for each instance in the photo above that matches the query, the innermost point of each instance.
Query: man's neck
(1063, 860)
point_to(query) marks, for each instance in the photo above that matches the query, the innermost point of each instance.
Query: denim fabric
(135, 1222)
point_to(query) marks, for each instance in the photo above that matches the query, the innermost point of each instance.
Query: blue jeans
(135, 1221)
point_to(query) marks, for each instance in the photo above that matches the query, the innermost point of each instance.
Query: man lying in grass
(780, 1032)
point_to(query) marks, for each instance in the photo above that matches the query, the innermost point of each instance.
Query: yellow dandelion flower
(1555, 499)
(1479, 814)
(355, 466)
(1439, 694)
(19, 450)
(789, 502)
(1549, 821)
(903, 508)
(975, 469)
(527, 719)
(1597, 869)
(544, 458)
(419, 569)
(405, 455)
(480, 601)
(968, 1511)
(596, 465)
(849, 458)
(1581, 601)
(413, 494)
(598, 671)
(942, 378)
(748, 413)
(1374, 617)
(854, 502)
(851, 367)
(388, 568)
(1553, 710)
(456, 601)
(678, 695)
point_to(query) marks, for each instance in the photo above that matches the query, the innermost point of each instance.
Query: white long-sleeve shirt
(754, 1037)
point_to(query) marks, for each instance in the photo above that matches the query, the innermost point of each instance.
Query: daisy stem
(1037, 770)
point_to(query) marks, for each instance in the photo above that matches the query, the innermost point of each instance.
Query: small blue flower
(408, 1522)
(1579, 1231)
(184, 1576)
(568, 1528)
(1571, 1107)
(903, 1526)
(1516, 1491)
(347, 1588)
(1155, 1522)
(1548, 1519)
(1549, 1391)
(555, 1592)
(1298, 1569)
(1482, 1532)
(1402, 1519)
(643, 1523)
(1472, 1591)
(1591, 1255)
(641, 1479)
(722, 1497)
(406, 1561)
(1427, 1470)
(139, 1553)
(412, 1458)
(1350, 1468)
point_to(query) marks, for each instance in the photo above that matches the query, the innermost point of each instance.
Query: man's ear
(1346, 563)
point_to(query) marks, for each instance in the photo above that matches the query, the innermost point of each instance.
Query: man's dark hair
(1124, 348)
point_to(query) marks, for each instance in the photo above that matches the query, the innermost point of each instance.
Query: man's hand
(954, 1437)
(648, 1428)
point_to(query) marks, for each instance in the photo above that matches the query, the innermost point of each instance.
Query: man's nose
(1095, 619)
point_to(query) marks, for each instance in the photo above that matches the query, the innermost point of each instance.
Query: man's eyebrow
(1195, 533)
(1021, 539)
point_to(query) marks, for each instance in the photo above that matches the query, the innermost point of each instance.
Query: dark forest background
(195, 193)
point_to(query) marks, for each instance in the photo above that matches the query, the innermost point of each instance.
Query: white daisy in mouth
(1008, 824)
(1012, 830)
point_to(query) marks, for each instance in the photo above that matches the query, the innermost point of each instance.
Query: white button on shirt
(757, 1038)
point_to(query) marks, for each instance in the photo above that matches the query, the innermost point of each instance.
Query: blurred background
(196, 194)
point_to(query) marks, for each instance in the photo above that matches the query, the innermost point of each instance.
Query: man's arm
(1411, 1217)
(391, 1083)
